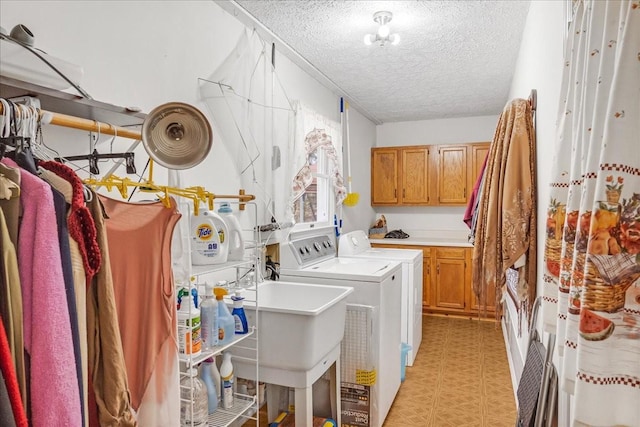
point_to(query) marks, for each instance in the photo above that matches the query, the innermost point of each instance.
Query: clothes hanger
(16, 123)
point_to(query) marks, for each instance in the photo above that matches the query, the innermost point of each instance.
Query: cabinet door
(384, 176)
(414, 172)
(452, 175)
(426, 282)
(478, 153)
(490, 301)
(450, 282)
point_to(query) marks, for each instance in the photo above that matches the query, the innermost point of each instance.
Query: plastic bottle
(210, 382)
(226, 374)
(209, 317)
(249, 280)
(189, 341)
(226, 323)
(195, 415)
(208, 239)
(216, 376)
(236, 242)
(239, 316)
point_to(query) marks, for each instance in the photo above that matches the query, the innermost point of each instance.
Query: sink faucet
(272, 268)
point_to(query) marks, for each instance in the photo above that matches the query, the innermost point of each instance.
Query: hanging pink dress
(139, 237)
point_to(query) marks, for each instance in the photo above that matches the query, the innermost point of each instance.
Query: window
(314, 204)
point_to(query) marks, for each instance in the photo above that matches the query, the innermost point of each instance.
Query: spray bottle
(239, 317)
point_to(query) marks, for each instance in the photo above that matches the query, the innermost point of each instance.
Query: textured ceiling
(455, 58)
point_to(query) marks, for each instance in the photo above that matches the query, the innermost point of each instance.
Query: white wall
(431, 132)
(441, 131)
(362, 137)
(539, 67)
(145, 53)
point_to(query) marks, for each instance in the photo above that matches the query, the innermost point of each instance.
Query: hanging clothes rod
(73, 122)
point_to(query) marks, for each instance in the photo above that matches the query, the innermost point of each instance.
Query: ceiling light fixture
(382, 36)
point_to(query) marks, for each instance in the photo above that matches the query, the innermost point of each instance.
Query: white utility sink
(299, 324)
(300, 327)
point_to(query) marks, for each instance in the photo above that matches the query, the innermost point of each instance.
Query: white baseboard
(510, 358)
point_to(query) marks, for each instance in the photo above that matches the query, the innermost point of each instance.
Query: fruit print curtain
(592, 248)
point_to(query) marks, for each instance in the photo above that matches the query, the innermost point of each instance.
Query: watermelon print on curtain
(592, 248)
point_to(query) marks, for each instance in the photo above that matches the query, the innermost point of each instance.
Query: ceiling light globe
(383, 31)
(368, 39)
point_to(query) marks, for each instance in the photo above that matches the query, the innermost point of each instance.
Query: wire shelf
(224, 417)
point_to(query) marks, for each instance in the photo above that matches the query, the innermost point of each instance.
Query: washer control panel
(312, 249)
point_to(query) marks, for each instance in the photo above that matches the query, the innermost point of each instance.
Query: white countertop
(430, 238)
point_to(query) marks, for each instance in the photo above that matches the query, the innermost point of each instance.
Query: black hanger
(95, 156)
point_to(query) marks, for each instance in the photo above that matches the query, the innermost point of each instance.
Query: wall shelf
(70, 104)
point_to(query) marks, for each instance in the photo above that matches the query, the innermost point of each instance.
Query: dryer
(310, 256)
(356, 245)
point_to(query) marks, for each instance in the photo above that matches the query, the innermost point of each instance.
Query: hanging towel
(506, 227)
(472, 205)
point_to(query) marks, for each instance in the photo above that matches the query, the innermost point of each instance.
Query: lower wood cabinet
(450, 280)
(446, 286)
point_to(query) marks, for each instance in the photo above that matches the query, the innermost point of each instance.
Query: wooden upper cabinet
(384, 176)
(400, 176)
(414, 176)
(425, 175)
(479, 151)
(452, 174)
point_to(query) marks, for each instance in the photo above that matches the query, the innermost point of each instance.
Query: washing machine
(356, 245)
(371, 347)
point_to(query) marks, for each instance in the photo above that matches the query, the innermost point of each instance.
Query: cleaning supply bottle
(189, 341)
(226, 324)
(208, 239)
(209, 381)
(239, 317)
(215, 374)
(236, 242)
(226, 373)
(209, 318)
(196, 414)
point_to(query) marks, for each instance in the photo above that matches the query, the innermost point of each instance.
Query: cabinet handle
(438, 269)
(394, 193)
(404, 193)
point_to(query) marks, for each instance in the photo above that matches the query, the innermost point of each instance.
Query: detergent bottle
(236, 243)
(226, 323)
(239, 316)
(209, 243)
(209, 380)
